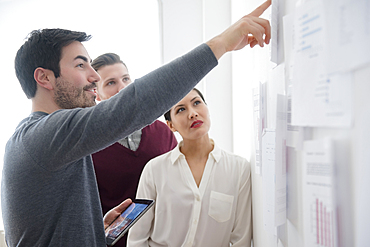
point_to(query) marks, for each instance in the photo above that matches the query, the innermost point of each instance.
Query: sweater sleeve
(68, 135)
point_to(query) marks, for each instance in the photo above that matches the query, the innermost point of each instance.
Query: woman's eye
(80, 65)
(180, 110)
(197, 102)
(110, 83)
(126, 79)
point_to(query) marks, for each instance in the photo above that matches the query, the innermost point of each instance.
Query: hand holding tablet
(126, 220)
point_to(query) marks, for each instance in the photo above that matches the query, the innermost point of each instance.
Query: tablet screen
(123, 222)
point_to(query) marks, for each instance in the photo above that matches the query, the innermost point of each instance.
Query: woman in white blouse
(202, 193)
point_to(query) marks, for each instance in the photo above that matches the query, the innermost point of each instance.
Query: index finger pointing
(259, 10)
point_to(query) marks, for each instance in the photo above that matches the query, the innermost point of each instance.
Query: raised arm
(94, 128)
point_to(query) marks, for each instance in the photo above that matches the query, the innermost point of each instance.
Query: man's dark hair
(43, 48)
(167, 115)
(106, 59)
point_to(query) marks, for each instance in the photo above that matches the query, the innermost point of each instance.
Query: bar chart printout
(319, 213)
(322, 223)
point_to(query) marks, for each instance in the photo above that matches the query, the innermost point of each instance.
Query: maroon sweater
(118, 168)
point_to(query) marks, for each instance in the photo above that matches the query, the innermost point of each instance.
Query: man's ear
(44, 77)
(170, 125)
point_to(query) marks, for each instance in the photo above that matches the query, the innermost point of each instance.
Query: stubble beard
(67, 96)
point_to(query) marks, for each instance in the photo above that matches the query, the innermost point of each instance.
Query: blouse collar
(176, 154)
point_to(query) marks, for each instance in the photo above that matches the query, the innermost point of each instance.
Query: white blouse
(218, 213)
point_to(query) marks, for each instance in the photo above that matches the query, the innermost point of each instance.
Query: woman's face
(190, 117)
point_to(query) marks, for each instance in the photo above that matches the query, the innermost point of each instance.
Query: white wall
(228, 90)
(187, 24)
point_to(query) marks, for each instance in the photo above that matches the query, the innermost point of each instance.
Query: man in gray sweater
(49, 193)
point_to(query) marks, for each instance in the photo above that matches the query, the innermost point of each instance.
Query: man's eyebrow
(83, 58)
(109, 79)
(112, 78)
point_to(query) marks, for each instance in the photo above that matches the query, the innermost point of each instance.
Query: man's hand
(115, 212)
(249, 30)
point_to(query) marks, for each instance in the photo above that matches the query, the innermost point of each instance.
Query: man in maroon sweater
(118, 167)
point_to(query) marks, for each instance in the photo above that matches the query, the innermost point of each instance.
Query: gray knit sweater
(49, 192)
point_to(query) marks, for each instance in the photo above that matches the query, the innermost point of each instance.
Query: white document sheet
(268, 180)
(318, 210)
(280, 161)
(317, 98)
(288, 27)
(275, 46)
(348, 34)
(274, 170)
(362, 202)
(294, 134)
(259, 123)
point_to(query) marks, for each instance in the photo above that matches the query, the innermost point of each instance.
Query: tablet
(126, 220)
